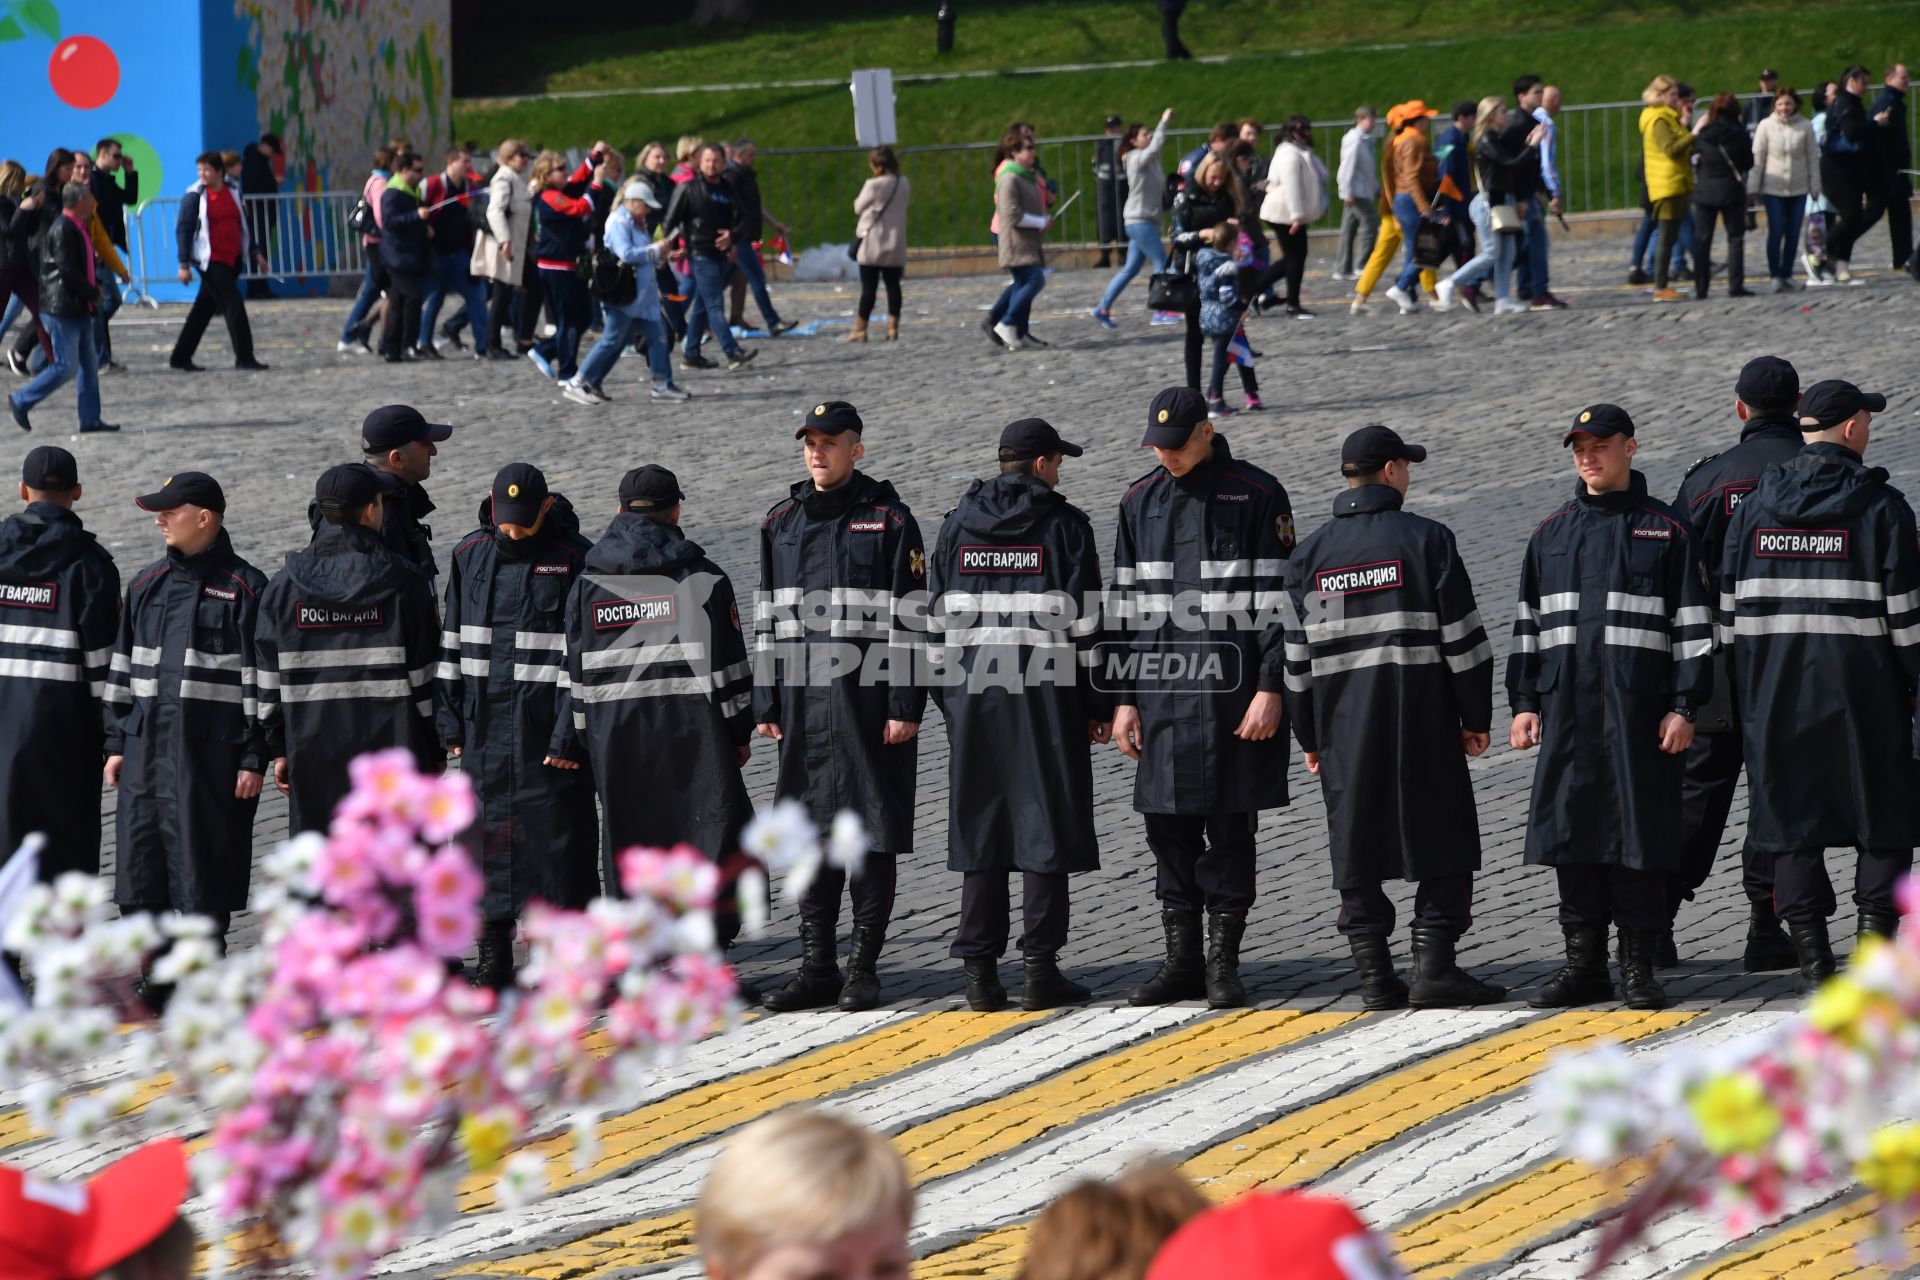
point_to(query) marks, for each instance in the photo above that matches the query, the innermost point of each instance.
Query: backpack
(611, 280)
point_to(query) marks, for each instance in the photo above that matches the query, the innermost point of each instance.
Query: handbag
(1506, 219)
(361, 220)
(1432, 243)
(853, 249)
(1173, 291)
(612, 281)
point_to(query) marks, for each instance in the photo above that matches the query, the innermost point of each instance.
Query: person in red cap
(125, 1219)
(1289, 1236)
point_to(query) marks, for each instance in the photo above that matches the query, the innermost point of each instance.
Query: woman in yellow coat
(1668, 146)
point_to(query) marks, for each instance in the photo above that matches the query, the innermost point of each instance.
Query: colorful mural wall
(172, 78)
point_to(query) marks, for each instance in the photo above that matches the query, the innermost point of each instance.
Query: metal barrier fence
(305, 236)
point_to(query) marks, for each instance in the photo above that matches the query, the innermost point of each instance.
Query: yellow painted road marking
(962, 1139)
(15, 1131)
(1311, 1143)
(634, 1137)
(1822, 1247)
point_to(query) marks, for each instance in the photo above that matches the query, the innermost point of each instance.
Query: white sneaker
(1444, 295)
(1008, 335)
(667, 391)
(1031, 343)
(346, 348)
(579, 394)
(1820, 282)
(1407, 303)
(1359, 301)
(1510, 307)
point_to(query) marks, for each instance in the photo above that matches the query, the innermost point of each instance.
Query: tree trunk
(706, 13)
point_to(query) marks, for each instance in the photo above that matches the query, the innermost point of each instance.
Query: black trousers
(219, 291)
(872, 893)
(1713, 766)
(1734, 218)
(986, 914)
(1899, 204)
(1802, 889)
(406, 294)
(1289, 262)
(1170, 30)
(1441, 902)
(1857, 205)
(1202, 861)
(1623, 896)
(870, 280)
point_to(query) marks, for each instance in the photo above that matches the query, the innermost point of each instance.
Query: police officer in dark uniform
(1390, 689)
(1110, 190)
(348, 643)
(59, 609)
(840, 562)
(1611, 639)
(184, 745)
(1768, 394)
(659, 682)
(1196, 672)
(399, 442)
(1015, 614)
(501, 678)
(1819, 595)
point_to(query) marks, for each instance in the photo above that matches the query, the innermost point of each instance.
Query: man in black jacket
(1767, 398)
(753, 272)
(69, 292)
(1390, 675)
(112, 199)
(397, 441)
(1819, 596)
(708, 213)
(1893, 155)
(1015, 620)
(260, 184)
(1849, 172)
(406, 251)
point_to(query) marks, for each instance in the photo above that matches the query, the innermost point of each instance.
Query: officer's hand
(768, 731)
(112, 772)
(1126, 731)
(1312, 759)
(282, 776)
(899, 731)
(745, 753)
(1098, 731)
(1525, 732)
(1676, 733)
(1262, 720)
(1474, 743)
(559, 762)
(248, 784)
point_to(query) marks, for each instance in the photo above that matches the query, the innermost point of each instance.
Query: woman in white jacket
(1785, 175)
(1296, 198)
(1140, 154)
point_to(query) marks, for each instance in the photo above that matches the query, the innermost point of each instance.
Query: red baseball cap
(1289, 1236)
(74, 1230)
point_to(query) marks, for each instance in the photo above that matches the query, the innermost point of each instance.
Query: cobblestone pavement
(1422, 1119)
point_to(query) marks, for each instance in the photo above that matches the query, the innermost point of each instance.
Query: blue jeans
(1015, 303)
(1407, 214)
(567, 295)
(1783, 233)
(1495, 256)
(369, 291)
(756, 273)
(613, 343)
(1533, 271)
(1217, 380)
(1143, 245)
(708, 307)
(109, 303)
(15, 305)
(450, 275)
(73, 356)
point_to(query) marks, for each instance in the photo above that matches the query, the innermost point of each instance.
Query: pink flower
(448, 808)
(681, 877)
(387, 782)
(445, 899)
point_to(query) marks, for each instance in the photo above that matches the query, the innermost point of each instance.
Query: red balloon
(84, 72)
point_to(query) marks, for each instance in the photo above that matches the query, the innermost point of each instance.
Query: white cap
(642, 190)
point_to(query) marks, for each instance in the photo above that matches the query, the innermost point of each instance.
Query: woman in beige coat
(1785, 175)
(881, 229)
(500, 249)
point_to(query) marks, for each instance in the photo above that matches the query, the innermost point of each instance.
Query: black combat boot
(1183, 974)
(1877, 924)
(1666, 953)
(1380, 986)
(817, 985)
(1583, 979)
(1224, 988)
(984, 992)
(1638, 987)
(1768, 946)
(863, 981)
(1047, 987)
(1440, 983)
(493, 967)
(1812, 952)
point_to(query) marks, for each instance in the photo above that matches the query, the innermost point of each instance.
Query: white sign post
(873, 108)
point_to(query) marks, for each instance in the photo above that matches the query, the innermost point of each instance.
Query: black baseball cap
(1599, 421)
(1371, 448)
(832, 417)
(1172, 417)
(393, 425)
(1768, 382)
(185, 488)
(1830, 403)
(1034, 438)
(518, 490)
(1768, 73)
(649, 488)
(1114, 122)
(351, 485)
(50, 468)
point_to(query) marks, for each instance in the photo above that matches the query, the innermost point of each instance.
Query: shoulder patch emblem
(1664, 535)
(917, 561)
(1283, 529)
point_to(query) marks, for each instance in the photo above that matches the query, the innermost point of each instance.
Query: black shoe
(453, 338)
(1768, 946)
(394, 359)
(185, 366)
(1665, 954)
(1183, 974)
(491, 353)
(1224, 931)
(1637, 277)
(1258, 307)
(984, 992)
(1812, 952)
(1439, 982)
(252, 365)
(747, 993)
(19, 415)
(1047, 987)
(1380, 986)
(98, 426)
(1740, 292)
(154, 995)
(1583, 979)
(740, 359)
(862, 989)
(1877, 924)
(493, 967)
(817, 985)
(1638, 987)
(779, 327)
(698, 362)
(426, 353)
